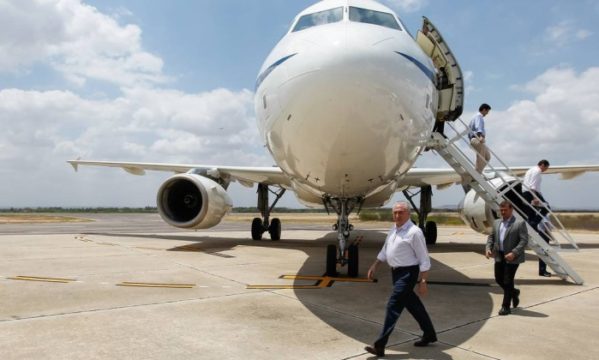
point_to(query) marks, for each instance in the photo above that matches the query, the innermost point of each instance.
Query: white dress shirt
(405, 246)
(477, 125)
(532, 179)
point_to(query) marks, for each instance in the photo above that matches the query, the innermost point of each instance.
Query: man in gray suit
(506, 243)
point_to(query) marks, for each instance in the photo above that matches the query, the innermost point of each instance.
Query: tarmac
(130, 287)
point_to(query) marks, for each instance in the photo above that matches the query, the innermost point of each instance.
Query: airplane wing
(443, 178)
(245, 175)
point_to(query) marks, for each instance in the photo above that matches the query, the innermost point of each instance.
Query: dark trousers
(534, 219)
(403, 295)
(504, 276)
(542, 265)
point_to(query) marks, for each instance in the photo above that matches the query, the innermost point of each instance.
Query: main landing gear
(342, 254)
(264, 224)
(428, 227)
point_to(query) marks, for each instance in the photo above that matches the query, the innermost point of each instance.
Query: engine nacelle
(192, 201)
(475, 212)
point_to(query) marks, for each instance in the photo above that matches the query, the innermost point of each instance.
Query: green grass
(580, 221)
(570, 220)
(450, 219)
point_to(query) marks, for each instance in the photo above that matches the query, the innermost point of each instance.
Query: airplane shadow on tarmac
(455, 300)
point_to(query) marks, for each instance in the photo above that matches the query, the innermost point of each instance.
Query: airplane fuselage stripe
(269, 69)
(428, 72)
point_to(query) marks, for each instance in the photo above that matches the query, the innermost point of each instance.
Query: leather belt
(402, 267)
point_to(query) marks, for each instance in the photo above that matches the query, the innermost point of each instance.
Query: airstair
(497, 184)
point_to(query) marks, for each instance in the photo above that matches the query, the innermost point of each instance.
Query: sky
(172, 81)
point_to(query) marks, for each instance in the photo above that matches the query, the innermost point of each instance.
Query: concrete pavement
(194, 300)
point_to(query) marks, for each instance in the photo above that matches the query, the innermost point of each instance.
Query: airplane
(345, 103)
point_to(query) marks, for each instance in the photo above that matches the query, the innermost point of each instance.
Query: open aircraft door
(450, 82)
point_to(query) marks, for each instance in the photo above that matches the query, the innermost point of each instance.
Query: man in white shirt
(532, 182)
(405, 252)
(532, 194)
(477, 136)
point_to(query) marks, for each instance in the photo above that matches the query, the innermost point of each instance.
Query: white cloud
(76, 40)
(41, 130)
(469, 81)
(564, 33)
(583, 34)
(407, 5)
(560, 122)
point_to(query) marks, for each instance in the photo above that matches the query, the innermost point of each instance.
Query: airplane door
(450, 82)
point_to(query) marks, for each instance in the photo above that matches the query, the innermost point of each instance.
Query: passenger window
(319, 18)
(373, 17)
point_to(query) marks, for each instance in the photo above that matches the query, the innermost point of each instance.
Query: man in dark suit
(506, 243)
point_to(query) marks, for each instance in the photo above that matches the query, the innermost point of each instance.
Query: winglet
(571, 175)
(134, 170)
(74, 164)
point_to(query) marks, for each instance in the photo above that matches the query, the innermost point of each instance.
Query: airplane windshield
(373, 17)
(319, 18)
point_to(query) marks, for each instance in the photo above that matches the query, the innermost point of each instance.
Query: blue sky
(154, 80)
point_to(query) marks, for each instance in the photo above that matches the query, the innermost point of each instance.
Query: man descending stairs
(497, 185)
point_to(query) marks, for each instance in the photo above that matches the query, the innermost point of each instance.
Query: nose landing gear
(342, 254)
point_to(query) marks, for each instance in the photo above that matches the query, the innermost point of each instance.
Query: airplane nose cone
(351, 116)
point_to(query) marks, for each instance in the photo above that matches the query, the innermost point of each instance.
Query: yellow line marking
(301, 277)
(149, 248)
(324, 278)
(264, 287)
(358, 240)
(161, 285)
(321, 282)
(39, 278)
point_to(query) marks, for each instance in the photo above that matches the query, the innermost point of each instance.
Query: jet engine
(192, 201)
(475, 212)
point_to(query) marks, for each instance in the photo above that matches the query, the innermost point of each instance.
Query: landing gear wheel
(430, 232)
(257, 229)
(352, 263)
(275, 229)
(331, 260)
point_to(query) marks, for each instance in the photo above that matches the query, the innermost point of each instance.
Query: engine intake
(192, 201)
(475, 212)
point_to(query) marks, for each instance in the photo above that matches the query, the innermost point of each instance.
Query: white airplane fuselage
(345, 103)
(345, 108)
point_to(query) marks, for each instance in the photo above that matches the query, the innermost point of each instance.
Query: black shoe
(516, 298)
(375, 351)
(426, 340)
(504, 311)
(545, 274)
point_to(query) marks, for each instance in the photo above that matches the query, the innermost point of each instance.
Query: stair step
(461, 163)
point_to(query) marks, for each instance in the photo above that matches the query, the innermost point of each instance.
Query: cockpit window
(319, 18)
(373, 17)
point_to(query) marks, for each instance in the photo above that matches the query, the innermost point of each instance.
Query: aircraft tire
(430, 233)
(275, 229)
(257, 229)
(353, 261)
(331, 260)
